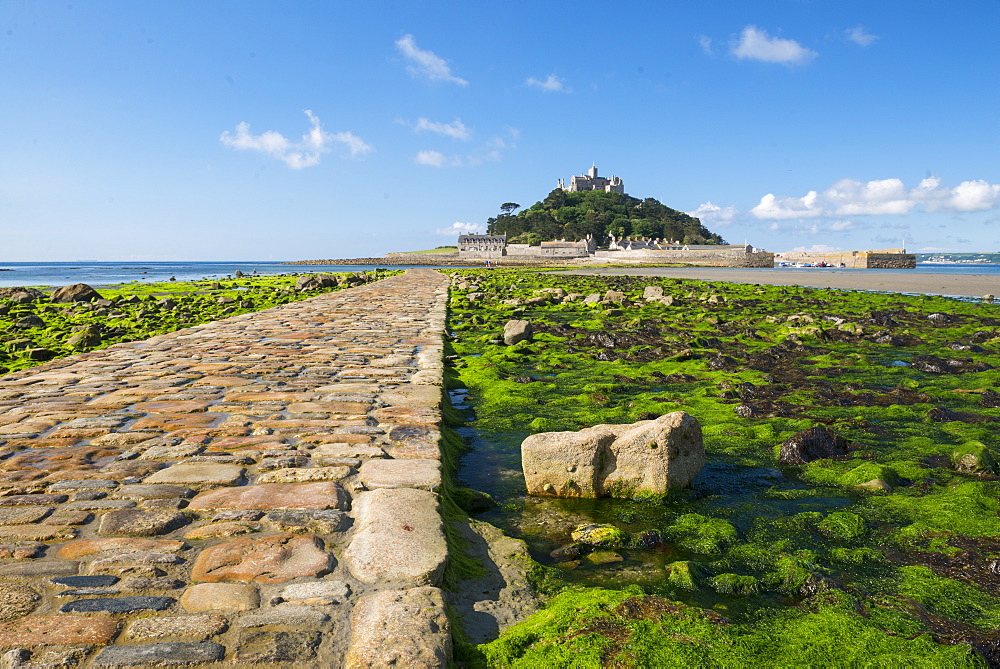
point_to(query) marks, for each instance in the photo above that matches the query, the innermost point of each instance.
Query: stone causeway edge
(256, 490)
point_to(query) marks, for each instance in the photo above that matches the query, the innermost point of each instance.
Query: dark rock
(40, 354)
(315, 282)
(971, 348)
(257, 646)
(161, 654)
(118, 604)
(990, 399)
(78, 292)
(86, 338)
(567, 552)
(816, 443)
(942, 415)
(602, 339)
(931, 364)
(647, 539)
(85, 581)
(21, 295)
(29, 321)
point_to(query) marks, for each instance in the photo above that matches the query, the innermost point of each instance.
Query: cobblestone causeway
(258, 490)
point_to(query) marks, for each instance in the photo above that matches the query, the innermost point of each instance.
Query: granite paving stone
(181, 500)
(220, 597)
(141, 523)
(193, 627)
(405, 628)
(117, 604)
(319, 495)
(57, 630)
(160, 654)
(400, 538)
(274, 559)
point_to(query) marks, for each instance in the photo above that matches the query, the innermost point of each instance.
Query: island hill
(593, 221)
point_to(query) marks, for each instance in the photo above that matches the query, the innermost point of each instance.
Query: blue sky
(141, 130)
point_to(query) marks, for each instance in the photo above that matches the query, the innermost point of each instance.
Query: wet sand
(963, 285)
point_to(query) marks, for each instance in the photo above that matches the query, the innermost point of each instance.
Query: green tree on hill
(574, 215)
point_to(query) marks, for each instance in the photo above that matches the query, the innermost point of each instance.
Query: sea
(94, 273)
(105, 273)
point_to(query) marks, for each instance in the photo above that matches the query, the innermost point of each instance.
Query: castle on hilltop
(590, 181)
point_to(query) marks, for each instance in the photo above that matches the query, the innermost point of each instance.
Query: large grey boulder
(315, 282)
(515, 331)
(78, 292)
(651, 457)
(22, 295)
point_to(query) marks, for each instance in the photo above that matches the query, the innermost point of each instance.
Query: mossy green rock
(700, 534)
(683, 574)
(974, 457)
(842, 525)
(605, 536)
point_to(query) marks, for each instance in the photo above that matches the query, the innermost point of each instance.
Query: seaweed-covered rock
(990, 399)
(78, 292)
(315, 282)
(935, 365)
(86, 337)
(974, 457)
(605, 536)
(652, 293)
(648, 457)
(29, 321)
(816, 443)
(516, 331)
(942, 415)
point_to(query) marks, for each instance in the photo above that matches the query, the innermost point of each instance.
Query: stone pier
(259, 490)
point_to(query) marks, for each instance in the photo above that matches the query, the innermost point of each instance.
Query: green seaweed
(789, 552)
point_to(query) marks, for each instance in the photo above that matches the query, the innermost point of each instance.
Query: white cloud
(712, 215)
(459, 228)
(883, 196)
(706, 44)
(456, 129)
(771, 207)
(355, 145)
(756, 44)
(975, 195)
(860, 36)
(297, 155)
(844, 226)
(432, 158)
(551, 84)
(880, 197)
(426, 64)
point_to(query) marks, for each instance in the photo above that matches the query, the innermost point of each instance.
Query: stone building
(590, 181)
(482, 246)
